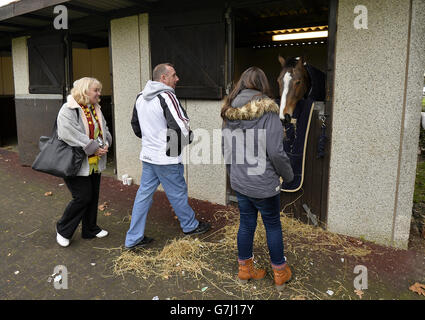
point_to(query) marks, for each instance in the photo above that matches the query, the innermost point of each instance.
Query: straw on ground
(214, 258)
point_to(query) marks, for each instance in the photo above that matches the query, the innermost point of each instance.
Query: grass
(419, 195)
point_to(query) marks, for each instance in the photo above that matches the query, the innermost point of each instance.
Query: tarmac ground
(29, 253)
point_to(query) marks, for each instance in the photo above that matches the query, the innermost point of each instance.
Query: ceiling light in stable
(300, 35)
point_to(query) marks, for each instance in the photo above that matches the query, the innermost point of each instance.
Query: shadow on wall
(7, 120)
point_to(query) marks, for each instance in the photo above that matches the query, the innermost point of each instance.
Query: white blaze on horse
(294, 84)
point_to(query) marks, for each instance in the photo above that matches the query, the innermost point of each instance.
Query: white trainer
(102, 234)
(63, 242)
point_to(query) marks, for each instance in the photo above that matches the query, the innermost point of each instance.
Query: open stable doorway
(253, 25)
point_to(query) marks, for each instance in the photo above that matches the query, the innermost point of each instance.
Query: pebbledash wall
(131, 70)
(376, 115)
(42, 109)
(30, 107)
(375, 119)
(376, 112)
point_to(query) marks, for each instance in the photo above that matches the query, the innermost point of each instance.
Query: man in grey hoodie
(163, 125)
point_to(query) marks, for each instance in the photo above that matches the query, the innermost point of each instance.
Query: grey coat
(76, 132)
(253, 146)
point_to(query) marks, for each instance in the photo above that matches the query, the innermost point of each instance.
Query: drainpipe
(230, 51)
(68, 65)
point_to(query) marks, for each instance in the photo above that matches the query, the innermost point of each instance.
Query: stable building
(373, 57)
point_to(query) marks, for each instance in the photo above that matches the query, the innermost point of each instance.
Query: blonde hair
(81, 87)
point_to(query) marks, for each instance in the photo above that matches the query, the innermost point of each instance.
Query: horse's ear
(301, 62)
(281, 60)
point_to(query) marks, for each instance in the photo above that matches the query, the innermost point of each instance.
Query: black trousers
(83, 207)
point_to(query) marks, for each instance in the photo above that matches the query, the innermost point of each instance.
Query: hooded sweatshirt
(162, 124)
(253, 146)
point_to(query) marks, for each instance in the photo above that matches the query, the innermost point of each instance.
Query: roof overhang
(88, 20)
(21, 7)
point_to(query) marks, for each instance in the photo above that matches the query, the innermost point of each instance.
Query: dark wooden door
(46, 55)
(314, 192)
(194, 42)
(305, 204)
(49, 64)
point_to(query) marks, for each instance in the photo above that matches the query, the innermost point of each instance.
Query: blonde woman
(81, 124)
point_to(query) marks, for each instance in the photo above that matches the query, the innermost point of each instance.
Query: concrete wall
(376, 120)
(20, 65)
(35, 113)
(410, 128)
(127, 83)
(131, 69)
(206, 180)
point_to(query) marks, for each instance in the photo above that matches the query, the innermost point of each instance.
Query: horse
(294, 84)
(300, 85)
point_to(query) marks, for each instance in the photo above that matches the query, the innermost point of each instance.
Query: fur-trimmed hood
(255, 118)
(253, 110)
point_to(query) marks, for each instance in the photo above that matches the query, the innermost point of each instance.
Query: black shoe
(202, 228)
(145, 241)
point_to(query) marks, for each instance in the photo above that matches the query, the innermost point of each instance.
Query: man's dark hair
(159, 70)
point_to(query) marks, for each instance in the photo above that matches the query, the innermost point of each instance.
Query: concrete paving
(29, 252)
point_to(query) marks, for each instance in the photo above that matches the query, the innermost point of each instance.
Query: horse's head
(294, 82)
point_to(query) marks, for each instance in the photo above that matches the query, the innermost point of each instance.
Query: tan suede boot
(248, 271)
(282, 275)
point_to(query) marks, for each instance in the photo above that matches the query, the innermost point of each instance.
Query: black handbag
(58, 158)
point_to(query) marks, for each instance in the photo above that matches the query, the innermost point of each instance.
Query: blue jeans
(172, 180)
(270, 213)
